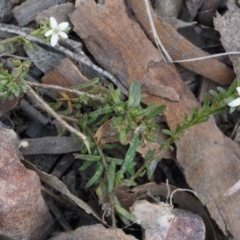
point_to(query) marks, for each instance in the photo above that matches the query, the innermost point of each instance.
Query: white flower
(235, 102)
(56, 31)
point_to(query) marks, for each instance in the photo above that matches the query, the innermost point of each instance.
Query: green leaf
(90, 83)
(219, 110)
(134, 95)
(96, 176)
(206, 102)
(130, 155)
(101, 111)
(154, 138)
(122, 137)
(155, 112)
(130, 168)
(167, 132)
(221, 90)
(2, 48)
(85, 166)
(111, 176)
(123, 213)
(215, 94)
(116, 95)
(232, 87)
(90, 158)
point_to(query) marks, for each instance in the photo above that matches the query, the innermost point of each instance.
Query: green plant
(13, 84)
(131, 124)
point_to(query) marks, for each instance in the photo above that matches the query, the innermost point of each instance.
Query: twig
(206, 57)
(54, 114)
(158, 42)
(23, 33)
(59, 88)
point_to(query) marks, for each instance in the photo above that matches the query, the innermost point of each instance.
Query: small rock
(161, 222)
(94, 232)
(23, 212)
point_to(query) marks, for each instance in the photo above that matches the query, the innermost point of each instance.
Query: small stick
(59, 88)
(54, 114)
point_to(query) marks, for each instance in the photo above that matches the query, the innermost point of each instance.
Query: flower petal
(62, 26)
(48, 33)
(54, 39)
(234, 103)
(53, 22)
(238, 90)
(63, 34)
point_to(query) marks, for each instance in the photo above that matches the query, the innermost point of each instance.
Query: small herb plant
(13, 84)
(126, 119)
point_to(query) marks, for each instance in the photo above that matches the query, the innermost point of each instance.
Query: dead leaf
(60, 13)
(179, 48)
(193, 6)
(228, 26)
(59, 186)
(168, 8)
(8, 105)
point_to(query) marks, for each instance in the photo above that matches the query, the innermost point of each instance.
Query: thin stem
(46, 107)
(59, 88)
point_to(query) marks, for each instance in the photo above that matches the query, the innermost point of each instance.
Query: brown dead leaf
(193, 6)
(210, 161)
(6, 106)
(56, 184)
(207, 12)
(168, 8)
(65, 74)
(228, 26)
(179, 48)
(60, 13)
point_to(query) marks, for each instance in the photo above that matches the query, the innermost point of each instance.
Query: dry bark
(27, 11)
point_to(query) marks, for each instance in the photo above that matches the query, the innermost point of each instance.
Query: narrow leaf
(167, 132)
(96, 176)
(134, 96)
